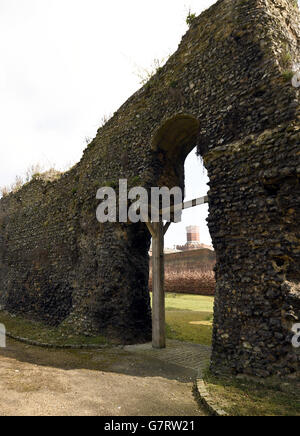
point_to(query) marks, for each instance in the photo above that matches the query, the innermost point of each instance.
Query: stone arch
(174, 139)
(232, 72)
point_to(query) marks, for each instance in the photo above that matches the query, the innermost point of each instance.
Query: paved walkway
(186, 355)
(135, 381)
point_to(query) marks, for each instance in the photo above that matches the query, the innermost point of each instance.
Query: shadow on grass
(243, 397)
(36, 331)
(112, 359)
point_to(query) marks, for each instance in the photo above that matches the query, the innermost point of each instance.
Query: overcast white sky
(66, 63)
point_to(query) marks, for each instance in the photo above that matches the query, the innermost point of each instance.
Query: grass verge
(189, 318)
(36, 331)
(239, 397)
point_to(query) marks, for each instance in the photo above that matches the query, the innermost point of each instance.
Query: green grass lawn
(189, 318)
(193, 303)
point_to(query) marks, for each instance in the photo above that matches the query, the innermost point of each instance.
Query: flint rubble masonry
(225, 90)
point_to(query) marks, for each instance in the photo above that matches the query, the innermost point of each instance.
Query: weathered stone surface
(227, 90)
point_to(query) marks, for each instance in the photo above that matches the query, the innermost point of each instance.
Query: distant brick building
(191, 256)
(193, 240)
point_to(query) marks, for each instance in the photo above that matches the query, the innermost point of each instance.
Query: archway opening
(172, 142)
(188, 260)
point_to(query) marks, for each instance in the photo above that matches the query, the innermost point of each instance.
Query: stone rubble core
(228, 91)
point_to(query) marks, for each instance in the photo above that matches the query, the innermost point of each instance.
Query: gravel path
(136, 381)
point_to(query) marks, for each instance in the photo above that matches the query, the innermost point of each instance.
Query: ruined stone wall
(228, 91)
(257, 241)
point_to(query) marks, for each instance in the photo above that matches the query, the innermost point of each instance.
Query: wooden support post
(166, 227)
(158, 230)
(151, 228)
(158, 295)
